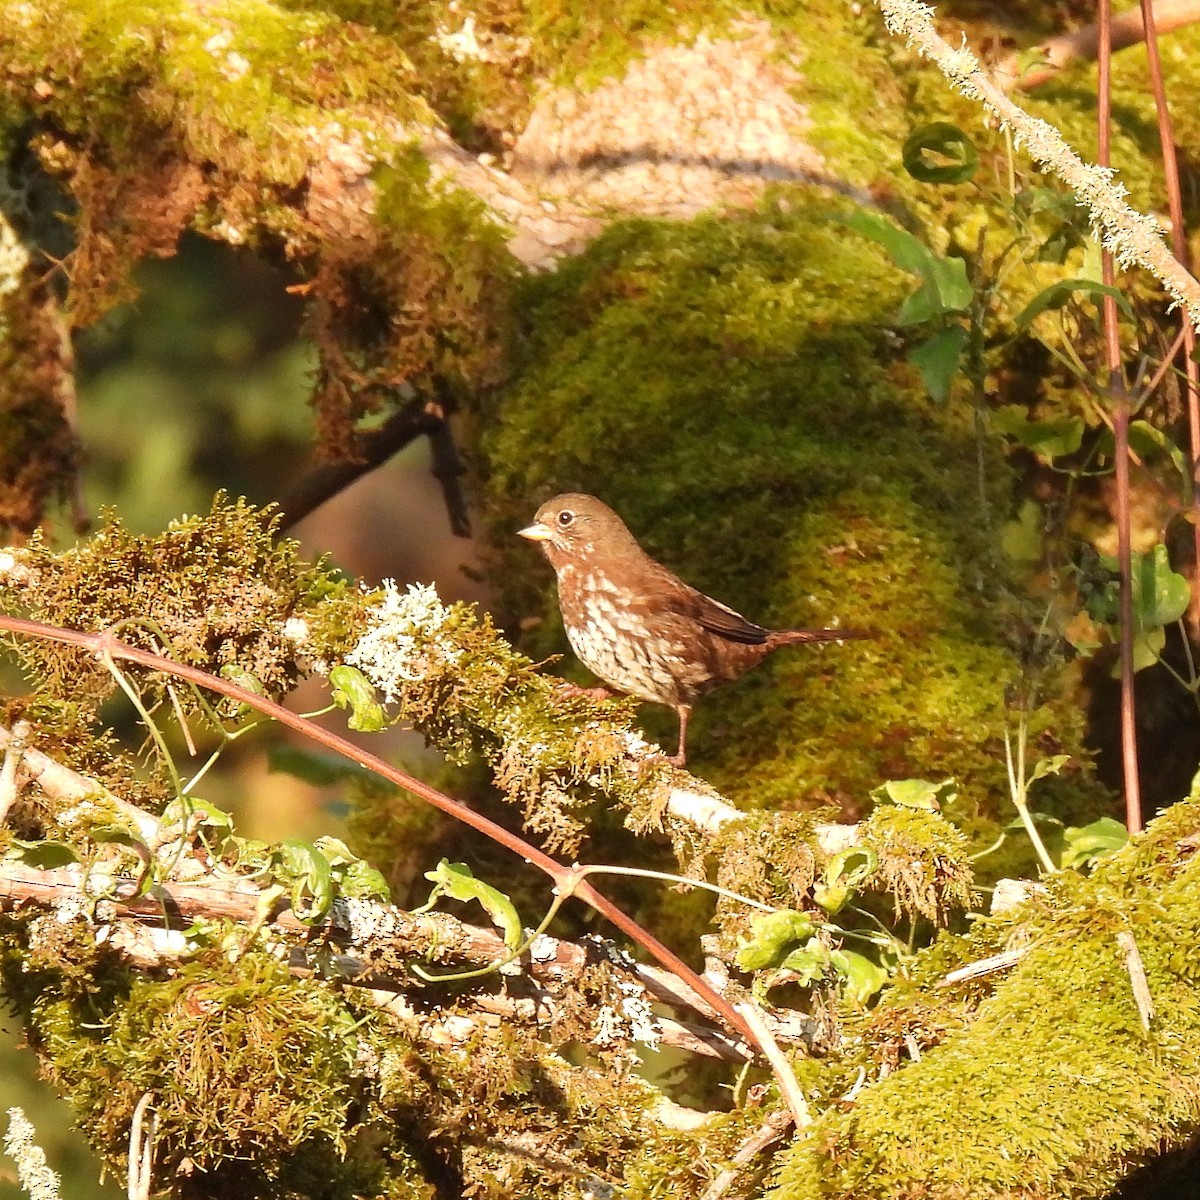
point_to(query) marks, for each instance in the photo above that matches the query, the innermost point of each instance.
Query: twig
(14, 751)
(61, 783)
(1120, 423)
(447, 467)
(985, 966)
(771, 1130)
(140, 1173)
(1128, 29)
(780, 1066)
(375, 447)
(1137, 977)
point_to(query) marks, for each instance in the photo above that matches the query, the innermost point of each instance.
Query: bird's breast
(632, 648)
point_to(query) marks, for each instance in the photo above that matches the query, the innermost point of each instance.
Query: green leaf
(863, 978)
(945, 290)
(42, 856)
(1087, 845)
(457, 881)
(1021, 537)
(772, 936)
(1160, 596)
(1047, 439)
(352, 689)
(1146, 440)
(944, 285)
(1148, 646)
(1048, 766)
(243, 678)
(844, 872)
(361, 881)
(937, 360)
(909, 253)
(940, 141)
(915, 793)
(1057, 294)
(809, 963)
(308, 872)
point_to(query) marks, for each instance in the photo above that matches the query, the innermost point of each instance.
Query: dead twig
(771, 1130)
(1137, 977)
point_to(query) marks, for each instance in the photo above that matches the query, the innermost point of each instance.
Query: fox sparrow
(639, 627)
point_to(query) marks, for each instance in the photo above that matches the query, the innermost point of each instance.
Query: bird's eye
(566, 517)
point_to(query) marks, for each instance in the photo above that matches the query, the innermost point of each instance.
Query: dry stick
(374, 448)
(771, 1130)
(567, 881)
(1137, 977)
(1127, 30)
(1120, 420)
(1179, 243)
(14, 751)
(788, 1084)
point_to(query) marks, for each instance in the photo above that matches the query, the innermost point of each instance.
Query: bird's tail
(793, 637)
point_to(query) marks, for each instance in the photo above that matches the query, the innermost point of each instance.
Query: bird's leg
(680, 755)
(574, 691)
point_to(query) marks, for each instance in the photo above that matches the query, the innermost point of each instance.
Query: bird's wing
(710, 614)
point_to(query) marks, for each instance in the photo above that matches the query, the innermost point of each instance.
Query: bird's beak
(536, 532)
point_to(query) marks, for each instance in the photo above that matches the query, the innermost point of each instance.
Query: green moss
(211, 591)
(1042, 1082)
(727, 384)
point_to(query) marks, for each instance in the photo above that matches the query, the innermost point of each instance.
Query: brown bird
(639, 627)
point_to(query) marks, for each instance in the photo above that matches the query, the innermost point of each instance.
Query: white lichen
(406, 639)
(33, 1172)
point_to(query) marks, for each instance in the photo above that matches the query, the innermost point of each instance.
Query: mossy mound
(729, 386)
(1045, 1082)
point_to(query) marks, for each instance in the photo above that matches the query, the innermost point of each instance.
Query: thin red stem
(1120, 398)
(1179, 245)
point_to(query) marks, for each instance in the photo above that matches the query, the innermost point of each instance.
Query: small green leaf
(1146, 440)
(945, 290)
(863, 978)
(1087, 845)
(908, 252)
(1047, 439)
(352, 689)
(1021, 538)
(308, 872)
(927, 148)
(915, 793)
(937, 360)
(1057, 295)
(772, 936)
(243, 678)
(1048, 766)
(844, 872)
(42, 856)
(457, 881)
(361, 881)
(809, 963)
(1160, 596)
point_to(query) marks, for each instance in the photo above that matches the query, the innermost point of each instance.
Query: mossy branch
(565, 878)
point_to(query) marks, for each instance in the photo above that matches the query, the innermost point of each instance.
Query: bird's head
(571, 527)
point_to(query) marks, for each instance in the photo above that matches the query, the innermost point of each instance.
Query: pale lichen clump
(33, 1172)
(405, 638)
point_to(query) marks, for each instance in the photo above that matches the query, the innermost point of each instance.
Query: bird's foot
(573, 691)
